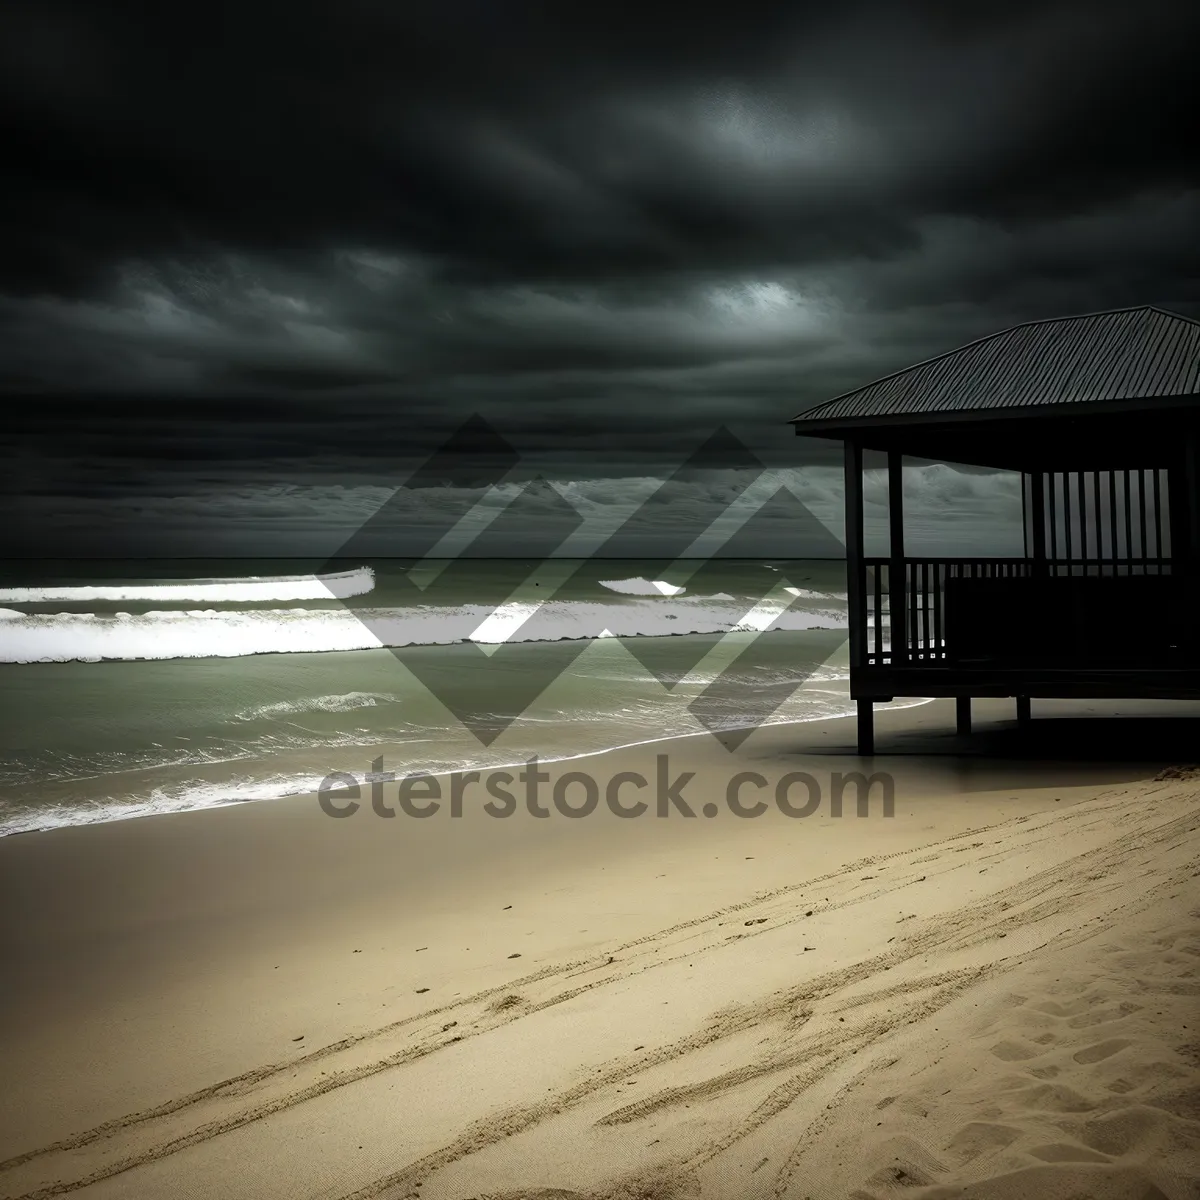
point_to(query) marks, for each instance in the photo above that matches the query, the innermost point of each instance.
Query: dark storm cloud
(217, 196)
(313, 240)
(513, 141)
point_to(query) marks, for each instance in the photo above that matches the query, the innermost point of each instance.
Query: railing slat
(939, 593)
(920, 636)
(925, 644)
(877, 609)
(912, 566)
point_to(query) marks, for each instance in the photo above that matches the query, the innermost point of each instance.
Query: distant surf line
(246, 589)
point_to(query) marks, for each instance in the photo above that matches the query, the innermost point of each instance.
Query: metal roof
(1124, 354)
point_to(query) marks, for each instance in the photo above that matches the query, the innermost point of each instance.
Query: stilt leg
(1024, 713)
(962, 711)
(866, 727)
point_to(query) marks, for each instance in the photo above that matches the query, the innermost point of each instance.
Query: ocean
(133, 688)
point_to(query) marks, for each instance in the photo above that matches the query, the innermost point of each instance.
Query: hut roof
(1123, 355)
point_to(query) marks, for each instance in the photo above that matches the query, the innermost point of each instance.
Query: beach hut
(1100, 414)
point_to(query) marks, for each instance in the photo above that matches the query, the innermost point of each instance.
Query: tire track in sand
(233, 1103)
(970, 925)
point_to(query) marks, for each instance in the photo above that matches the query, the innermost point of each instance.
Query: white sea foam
(190, 795)
(217, 633)
(248, 589)
(185, 798)
(642, 587)
(808, 594)
(346, 702)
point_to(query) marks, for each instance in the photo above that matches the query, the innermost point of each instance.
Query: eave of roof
(1142, 354)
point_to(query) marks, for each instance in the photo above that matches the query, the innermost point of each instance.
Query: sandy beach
(992, 993)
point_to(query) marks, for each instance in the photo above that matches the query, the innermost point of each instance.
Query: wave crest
(215, 633)
(248, 589)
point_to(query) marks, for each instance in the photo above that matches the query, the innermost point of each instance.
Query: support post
(962, 713)
(1191, 484)
(856, 602)
(866, 727)
(897, 589)
(1024, 711)
(1026, 484)
(855, 573)
(1191, 473)
(1038, 521)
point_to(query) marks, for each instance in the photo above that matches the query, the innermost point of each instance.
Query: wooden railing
(924, 597)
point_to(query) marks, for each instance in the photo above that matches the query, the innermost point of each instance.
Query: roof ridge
(987, 337)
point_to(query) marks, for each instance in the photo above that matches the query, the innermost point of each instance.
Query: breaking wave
(642, 587)
(248, 590)
(225, 633)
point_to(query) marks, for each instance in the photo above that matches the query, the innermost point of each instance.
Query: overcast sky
(258, 261)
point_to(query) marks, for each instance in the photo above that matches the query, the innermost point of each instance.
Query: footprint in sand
(1150, 1075)
(903, 1175)
(1183, 1102)
(1104, 1015)
(1141, 1130)
(980, 1138)
(1064, 1152)
(1053, 1097)
(1014, 1051)
(909, 1164)
(1052, 1008)
(1100, 1051)
(1190, 1053)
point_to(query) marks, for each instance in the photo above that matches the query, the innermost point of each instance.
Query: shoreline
(896, 705)
(305, 787)
(267, 943)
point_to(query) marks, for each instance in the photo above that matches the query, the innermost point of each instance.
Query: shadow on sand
(1050, 751)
